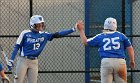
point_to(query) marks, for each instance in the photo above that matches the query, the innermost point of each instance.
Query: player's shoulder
(25, 31)
(114, 33)
(121, 33)
(44, 32)
(96, 36)
(117, 32)
(99, 35)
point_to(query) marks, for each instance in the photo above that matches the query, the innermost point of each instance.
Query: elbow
(17, 46)
(129, 48)
(130, 51)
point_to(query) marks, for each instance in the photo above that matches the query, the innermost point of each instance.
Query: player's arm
(13, 55)
(83, 37)
(63, 33)
(17, 45)
(15, 50)
(130, 51)
(60, 33)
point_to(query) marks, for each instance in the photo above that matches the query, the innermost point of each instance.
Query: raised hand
(80, 25)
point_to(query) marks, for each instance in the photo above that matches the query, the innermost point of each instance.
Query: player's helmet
(110, 24)
(35, 19)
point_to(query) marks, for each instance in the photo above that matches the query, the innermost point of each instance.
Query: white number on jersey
(36, 46)
(111, 41)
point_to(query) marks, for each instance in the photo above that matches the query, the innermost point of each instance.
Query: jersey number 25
(111, 43)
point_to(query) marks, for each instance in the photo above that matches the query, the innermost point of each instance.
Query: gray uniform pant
(113, 68)
(26, 67)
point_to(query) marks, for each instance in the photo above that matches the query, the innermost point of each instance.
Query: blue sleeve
(127, 42)
(1, 68)
(66, 32)
(14, 52)
(49, 36)
(18, 45)
(94, 41)
(60, 34)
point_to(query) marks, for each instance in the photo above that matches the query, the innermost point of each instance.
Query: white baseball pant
(113, 68)
(26, 67)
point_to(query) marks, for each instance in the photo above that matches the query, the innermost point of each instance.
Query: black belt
(31, 57)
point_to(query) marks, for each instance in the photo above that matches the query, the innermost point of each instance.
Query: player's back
(111, 44)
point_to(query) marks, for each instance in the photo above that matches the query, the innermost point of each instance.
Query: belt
(31, 57)
(115, 58)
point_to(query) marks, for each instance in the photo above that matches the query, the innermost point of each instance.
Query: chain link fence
(127, 14)
(63, 60)
(135, 31)
(64, 54)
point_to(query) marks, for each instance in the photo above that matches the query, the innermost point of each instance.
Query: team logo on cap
(40, 18)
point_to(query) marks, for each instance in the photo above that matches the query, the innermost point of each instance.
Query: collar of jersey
(34, 31)
(110, 32)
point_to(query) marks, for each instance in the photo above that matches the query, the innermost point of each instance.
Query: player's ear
(33, 26)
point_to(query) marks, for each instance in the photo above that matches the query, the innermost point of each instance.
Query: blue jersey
(31, 43)
(111, 44)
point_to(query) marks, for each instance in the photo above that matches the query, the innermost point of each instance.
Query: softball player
(4, 77)
(112, 45)
(31, 43)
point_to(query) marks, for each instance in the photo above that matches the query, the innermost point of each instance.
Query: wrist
(11, 61)
(132, 61)
(74, 29)
(81, 30)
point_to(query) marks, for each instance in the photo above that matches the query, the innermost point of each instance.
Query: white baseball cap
(110, 23)
(35, 19)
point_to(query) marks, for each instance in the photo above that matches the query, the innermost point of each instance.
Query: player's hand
(80, 25)
(132, 65)
(5, 79)
(10, 65)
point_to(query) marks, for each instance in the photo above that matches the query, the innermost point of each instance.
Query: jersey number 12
(36, 46)
(113, 41)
